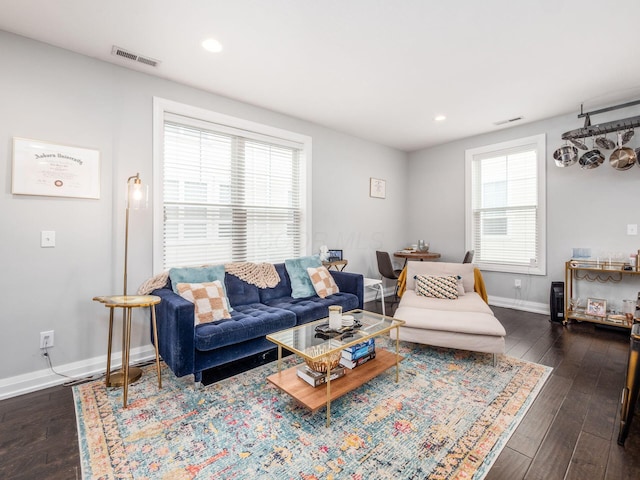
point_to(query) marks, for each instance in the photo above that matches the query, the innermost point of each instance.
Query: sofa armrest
(350, 283)
(176, 331)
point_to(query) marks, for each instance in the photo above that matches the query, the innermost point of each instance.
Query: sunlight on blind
(229, 198)
(505, 207)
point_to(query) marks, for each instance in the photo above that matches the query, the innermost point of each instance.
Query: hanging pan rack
(609, 127)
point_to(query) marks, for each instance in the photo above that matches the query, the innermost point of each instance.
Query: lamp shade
(137, 194)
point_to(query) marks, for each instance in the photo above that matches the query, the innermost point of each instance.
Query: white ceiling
(378, 69)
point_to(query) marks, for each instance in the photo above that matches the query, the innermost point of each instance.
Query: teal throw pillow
(197, 275)
(301, 286)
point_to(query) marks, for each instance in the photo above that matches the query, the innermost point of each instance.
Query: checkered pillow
(322, 281)
(208, 299)
(437, 287)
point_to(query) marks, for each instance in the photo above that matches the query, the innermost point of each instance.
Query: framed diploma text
(43, 168)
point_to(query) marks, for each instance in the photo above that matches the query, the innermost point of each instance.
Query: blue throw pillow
(301, 286)
(197, 275)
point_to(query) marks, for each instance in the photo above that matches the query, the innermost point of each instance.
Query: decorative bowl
(321, 364)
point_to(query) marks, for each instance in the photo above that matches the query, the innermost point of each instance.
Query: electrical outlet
(46, 339)
(517, 283)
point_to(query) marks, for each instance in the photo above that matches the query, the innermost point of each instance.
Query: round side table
(128, 374)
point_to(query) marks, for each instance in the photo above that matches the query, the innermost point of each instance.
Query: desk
(416, 255)
(337, 264)
(128, 374)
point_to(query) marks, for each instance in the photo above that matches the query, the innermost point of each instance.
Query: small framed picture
(335, 255)
(596, 307)
(377, 188)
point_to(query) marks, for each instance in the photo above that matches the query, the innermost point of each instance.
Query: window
(505, 207)
(226, 190)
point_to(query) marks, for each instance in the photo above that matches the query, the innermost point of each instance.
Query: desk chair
(386, 270)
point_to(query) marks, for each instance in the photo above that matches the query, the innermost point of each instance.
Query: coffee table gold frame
(298, 340)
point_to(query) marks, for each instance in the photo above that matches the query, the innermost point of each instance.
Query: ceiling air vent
(121, 52)
(511, 120)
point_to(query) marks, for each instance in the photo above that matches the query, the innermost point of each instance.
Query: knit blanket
(262, 275)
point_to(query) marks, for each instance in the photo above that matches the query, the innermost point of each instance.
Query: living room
(56, 95)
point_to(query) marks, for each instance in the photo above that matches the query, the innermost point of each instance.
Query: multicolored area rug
(449, 417)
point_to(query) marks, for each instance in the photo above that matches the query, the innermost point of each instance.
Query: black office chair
(385, 268)
(468, 257)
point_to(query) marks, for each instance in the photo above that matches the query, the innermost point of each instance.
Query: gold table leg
(108, 375)
(155, 342)
(397, 354)
(279, 358)
(328, 391)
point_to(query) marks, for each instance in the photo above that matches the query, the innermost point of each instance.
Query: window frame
(488, 151)
(164, 107)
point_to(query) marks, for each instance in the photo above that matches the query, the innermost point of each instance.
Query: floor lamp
(137, 198)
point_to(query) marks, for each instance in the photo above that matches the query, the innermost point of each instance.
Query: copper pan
(622, 158)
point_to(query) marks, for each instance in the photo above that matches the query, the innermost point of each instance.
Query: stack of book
(356, 355)
(314, 378)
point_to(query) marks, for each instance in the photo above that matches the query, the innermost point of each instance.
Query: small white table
(373, 283)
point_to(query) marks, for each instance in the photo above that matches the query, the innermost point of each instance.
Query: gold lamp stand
(136, 197)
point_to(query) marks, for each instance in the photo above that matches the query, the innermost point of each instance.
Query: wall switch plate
(632, 229)
(47, 238)
(517, 283)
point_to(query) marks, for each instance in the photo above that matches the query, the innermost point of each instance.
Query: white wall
(585, 208)
(54, 95)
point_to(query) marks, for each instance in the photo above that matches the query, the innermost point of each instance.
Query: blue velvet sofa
(191, 349)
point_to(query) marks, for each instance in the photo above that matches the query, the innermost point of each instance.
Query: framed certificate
(377, 188)
(43, 168)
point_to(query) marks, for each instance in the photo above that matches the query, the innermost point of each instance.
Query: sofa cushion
(465, 270)
(208, 298)
(315, 308)
(322, 281)
(209, 273)
(247, 322)
(240, 292)
(437, 287)
(282, 289)
(301, 286)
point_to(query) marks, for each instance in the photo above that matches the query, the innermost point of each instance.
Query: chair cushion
(465, 270)
(436, 286)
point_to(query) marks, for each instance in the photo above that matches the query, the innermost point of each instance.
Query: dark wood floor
(570, 431)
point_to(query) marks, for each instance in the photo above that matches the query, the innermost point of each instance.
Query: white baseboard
(45, 378)
(526, 306)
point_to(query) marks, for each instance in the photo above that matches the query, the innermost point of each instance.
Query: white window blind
(506, 205)
(229, 195)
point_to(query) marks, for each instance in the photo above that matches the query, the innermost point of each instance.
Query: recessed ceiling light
(440, 118)
(212, 45)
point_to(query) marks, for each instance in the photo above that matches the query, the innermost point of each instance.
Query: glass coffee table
(323, 348)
